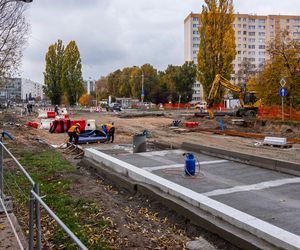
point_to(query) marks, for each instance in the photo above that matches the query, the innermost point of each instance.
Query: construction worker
(110, 132)
(74, 132)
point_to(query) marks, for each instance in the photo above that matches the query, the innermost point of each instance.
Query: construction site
(169, 180)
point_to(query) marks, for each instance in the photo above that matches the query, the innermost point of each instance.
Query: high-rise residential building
(89, 86)
(19, 89)
(252, 35)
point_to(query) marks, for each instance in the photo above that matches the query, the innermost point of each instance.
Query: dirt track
(134, 211)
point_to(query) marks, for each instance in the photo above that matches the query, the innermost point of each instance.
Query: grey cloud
(114, 33)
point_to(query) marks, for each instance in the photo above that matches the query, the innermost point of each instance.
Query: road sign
(283, 92)
(282, 82)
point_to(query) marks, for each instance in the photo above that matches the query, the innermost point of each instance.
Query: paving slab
(263, 194)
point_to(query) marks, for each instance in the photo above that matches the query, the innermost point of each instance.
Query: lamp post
(142, 92)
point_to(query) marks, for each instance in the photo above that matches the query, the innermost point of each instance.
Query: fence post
(31, 221)
(38, 218)
(1, 168)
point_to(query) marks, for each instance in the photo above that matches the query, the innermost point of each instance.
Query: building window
(194, 52)
(195, 45)
(239, 39)
(262, 27)
(261, 59)
(195, 18)
(244, 26)
(251, 46)
(261, 46)
(245, 32)
(261, 53)
(251, 20)
(272, 26)
(251, 27)
(251, 33)
(261, 33)
(195, 25)
(195, 32)
(239, 25)
(296, 33)
(261, 40)
(239, 32)
(252, 40)
(261, 20)
(251, 53)
(239, 52)
(239, 19)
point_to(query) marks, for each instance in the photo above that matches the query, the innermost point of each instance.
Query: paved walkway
(7, 237)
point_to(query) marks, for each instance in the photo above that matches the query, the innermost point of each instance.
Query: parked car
(114, 107)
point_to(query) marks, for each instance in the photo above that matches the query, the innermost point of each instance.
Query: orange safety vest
(109, 126)
(75, 129)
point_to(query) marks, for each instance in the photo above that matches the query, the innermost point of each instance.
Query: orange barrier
(177, 105)
(274, 112)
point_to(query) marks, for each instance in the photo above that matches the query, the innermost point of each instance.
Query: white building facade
(252, 33)
(20, 89)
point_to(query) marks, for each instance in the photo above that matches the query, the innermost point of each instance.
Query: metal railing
(35, 203)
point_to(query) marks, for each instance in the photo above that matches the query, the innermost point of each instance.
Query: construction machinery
(248, 101)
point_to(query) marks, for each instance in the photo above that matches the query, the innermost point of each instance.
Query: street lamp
(142, 91)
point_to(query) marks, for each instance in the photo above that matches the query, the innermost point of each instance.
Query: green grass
(48, 168)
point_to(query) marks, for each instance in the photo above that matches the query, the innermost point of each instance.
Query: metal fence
(35, 204)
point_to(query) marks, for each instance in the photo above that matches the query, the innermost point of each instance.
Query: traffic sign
(282, 82)
(142, 93)
(283, 92)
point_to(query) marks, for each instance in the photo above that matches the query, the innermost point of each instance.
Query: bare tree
(13, 35)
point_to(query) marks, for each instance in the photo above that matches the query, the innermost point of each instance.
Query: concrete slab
(245, 196)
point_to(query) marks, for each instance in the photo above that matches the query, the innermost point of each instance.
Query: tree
(102, 88)
(187, 78)
(84, 100)
(13, 30)
(284, 62)
(71, 73)
(217, 44)
(53, 72)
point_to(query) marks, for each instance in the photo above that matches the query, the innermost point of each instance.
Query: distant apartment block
(252, 33)
(19, 89)
(89, 86)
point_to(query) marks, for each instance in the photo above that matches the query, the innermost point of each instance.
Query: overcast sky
(112, 34)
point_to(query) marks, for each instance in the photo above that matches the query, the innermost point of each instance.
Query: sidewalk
(7, 237)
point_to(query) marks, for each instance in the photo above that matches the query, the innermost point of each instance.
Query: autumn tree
(53, 72)
(284, 62)
(84, 100)
(102, 88)
(217, 41)
(71, 73)
(13, 35)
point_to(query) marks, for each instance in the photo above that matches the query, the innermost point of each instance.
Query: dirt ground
(137, 222)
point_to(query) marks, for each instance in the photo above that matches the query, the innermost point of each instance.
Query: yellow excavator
(248, 101)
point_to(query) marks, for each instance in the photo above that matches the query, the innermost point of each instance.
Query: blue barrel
(190, 164)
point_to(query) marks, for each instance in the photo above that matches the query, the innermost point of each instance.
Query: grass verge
(55, 177)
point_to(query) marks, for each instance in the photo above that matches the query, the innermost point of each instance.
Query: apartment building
(252, 33)
(19, 89)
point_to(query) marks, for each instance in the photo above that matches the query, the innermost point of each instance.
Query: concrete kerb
(275, 236)
(258, 161)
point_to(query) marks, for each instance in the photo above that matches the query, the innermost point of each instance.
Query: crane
(248, 100)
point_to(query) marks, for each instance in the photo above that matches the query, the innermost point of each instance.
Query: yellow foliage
(84, 100)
